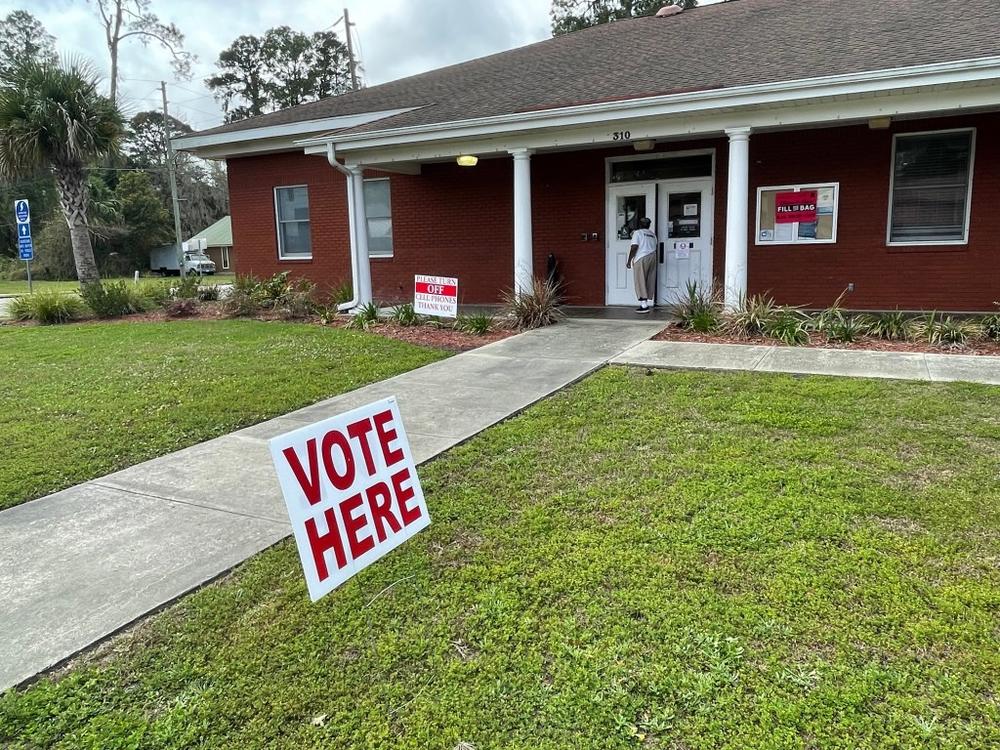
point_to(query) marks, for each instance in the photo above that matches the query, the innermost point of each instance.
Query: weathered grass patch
(681, 560)
(81, 401)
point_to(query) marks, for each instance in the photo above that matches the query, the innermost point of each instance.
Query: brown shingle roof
(718, 46)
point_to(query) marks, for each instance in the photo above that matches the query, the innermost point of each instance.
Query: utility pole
(350, 51)
(172, 171)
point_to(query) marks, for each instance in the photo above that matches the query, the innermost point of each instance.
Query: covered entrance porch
(708, 172)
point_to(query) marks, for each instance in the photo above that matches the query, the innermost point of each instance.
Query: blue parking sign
(22, 215)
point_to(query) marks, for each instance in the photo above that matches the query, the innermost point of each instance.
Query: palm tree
(53, 116)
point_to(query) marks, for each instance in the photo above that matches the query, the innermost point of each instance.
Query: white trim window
(225, 258)
(816, 214)
(378, 209)
(930, 196)
(291, 213)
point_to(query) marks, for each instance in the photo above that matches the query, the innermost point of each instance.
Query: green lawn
(80, 401)
(21, 287)
(679, 560)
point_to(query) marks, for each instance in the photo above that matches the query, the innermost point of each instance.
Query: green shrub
(787, 325)
(157, 293)
(365, 316)
(847, 329)
(246, 283)
(48, 307)
(891, 326)
(991, 327)
(343, 292)
(186, 288)
(752, 317)
(208, 293)
(242, 302)
(945, 331)
(273, 291)
(112, 299)
(477, 324)
(405, 315)
(698, 310)
(535, 309)
(297, 300)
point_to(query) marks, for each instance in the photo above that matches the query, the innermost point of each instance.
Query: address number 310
(622, 135)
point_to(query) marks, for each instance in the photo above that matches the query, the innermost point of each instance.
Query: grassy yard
(21, 287)
(83, 400)
(678, 560)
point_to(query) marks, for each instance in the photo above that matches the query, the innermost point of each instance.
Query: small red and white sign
(352, 492)
(796, 207)
(435, 295)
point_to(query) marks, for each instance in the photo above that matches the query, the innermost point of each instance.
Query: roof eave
(274, 137)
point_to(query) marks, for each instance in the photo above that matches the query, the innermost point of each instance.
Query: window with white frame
(798, 214)
(225, 259)
(291, 208)
(931, 188)
(378, 208)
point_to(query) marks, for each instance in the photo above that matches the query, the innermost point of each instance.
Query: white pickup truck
(165, 261)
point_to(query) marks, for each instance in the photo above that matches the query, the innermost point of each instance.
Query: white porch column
(359, 230)
(737, 211)
(523, 257)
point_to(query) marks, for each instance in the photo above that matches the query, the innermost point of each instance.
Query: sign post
(435, 295)
(25, 247)
(351, 487)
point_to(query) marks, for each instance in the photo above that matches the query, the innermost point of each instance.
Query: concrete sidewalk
(800, 360)
(79, 565)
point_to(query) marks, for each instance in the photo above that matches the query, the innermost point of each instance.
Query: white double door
(682, 216)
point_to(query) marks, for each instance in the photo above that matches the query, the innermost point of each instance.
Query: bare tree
(124, 19)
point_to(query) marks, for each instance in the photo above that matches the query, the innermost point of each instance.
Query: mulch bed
(818, 341)
(432, 336)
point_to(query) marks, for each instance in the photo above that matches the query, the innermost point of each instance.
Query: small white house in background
(218, 243)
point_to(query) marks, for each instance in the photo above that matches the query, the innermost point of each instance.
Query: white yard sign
(352, 492)
(435, 295)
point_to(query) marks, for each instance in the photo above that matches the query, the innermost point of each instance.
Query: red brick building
(800, 149)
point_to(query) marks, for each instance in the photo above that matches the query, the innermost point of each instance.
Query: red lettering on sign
(403, 496)
(320, 544)
(359, 431)
(353, 524)
(310, 485)
(330, 440)
(386, 437)
(380, 504)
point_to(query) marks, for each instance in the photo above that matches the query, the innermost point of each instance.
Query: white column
(359, 230)
(737, 212)
(523, 257)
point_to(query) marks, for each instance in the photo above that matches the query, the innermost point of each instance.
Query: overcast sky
(397, 37)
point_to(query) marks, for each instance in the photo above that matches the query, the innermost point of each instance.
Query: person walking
(642, 261)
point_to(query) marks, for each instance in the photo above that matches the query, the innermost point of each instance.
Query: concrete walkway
(800, 360)
(79, 565)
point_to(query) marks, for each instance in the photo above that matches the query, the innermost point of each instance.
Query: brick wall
(944, 278)
(459, 221)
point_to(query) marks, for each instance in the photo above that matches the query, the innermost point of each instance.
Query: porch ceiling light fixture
(647, 145)
(467, 160)
(880, 123)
